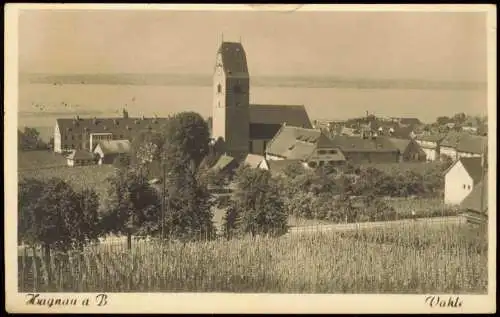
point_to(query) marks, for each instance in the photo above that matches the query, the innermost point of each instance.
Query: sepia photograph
(273, 150)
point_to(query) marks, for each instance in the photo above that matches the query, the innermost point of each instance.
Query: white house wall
(458, 184)
(57, 139)
(430, 154)
(466, 154)
(451, 152)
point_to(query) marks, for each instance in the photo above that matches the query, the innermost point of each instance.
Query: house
(107, 151)
(256, 161)
(430, 144)
(409, 150)
(225, 163)
(309, 146)
(266, 120)
(367, 149)
(475, 205)
(244, 127)
(80, 158)
(471, 125)
(85, 133)
(461, 178)
(348, 131)
(471, 145)
(449, 144)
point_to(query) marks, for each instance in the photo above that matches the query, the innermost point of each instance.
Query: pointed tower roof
(234, 58)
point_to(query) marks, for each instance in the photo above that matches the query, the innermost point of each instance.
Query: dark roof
(234, 58)
(114, 146)
(116, 126)
(473, 200)
(472, 144)
(358, 144)
(262, 131)
(402, 132)
(80, 155)
(280, 165)
(473, 167)
(400, 144)
(295, 115)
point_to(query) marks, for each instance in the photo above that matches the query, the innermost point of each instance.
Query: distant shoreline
(259, 81)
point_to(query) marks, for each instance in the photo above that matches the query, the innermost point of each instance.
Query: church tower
(231, 97)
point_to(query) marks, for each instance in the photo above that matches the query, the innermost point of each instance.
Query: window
(219, 88)
(464, 186)
(468, 186)
(250, 147)
(321, 152)
(237, 89)
(332, 151)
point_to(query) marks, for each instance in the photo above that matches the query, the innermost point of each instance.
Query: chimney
(125, 114)
(95, 120)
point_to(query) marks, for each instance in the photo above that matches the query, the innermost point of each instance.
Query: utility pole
(163, 197)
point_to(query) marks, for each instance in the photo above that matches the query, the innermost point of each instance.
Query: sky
(416, 45)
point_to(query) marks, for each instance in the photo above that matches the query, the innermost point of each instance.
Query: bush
(256, 207)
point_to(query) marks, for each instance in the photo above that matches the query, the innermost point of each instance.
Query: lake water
(89, 100)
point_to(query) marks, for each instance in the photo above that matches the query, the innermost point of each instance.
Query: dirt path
(379, 224)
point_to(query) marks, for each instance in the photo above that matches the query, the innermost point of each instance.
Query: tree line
(161, 190)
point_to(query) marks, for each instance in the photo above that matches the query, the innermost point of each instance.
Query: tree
(188, 214)
(131, 206)
(54, 216)
(188, 132)
(256, 207)
(459, 118)
(146, 149)
(443, 120)
(122, 161)
(29, 139)
(186, 201)
(293, 170)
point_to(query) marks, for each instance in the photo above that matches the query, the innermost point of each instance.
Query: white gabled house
(461, 178)
(107, 150)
